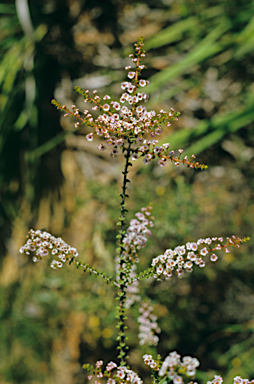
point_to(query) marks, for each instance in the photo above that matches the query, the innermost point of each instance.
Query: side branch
(96, 272)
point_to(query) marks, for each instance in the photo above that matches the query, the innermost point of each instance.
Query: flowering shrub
(126, 125)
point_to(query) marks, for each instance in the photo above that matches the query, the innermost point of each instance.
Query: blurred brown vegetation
(200, 62)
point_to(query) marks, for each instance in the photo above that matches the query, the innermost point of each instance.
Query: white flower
(124, 85)
(130, 88)
(89, 136)
(213, 257)
(204, 251)
(106, 107)
(177, 380)
(101, 147)
(131, 75)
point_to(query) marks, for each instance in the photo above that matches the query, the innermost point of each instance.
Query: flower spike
(127, 120)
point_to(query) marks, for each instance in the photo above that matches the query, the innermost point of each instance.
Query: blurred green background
(200, 62)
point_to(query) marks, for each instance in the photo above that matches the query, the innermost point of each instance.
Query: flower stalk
(123, 272)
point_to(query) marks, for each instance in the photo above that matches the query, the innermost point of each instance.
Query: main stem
(123, 271)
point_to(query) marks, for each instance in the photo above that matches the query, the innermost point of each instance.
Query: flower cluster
(137, 233)
(153, 364)
(42, 243)
(237, 380)
(121, 376)
(183, 257)
(173, 367)
(147, 325)
(127, 120)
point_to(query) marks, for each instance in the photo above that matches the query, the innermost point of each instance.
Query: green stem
(123, 272)
(96, 272)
